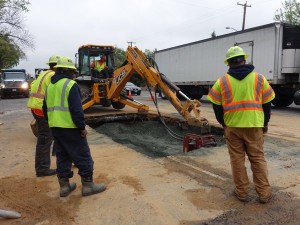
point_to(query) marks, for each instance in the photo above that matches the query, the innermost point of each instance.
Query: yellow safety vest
(38, 88)
(98, 66)
(57, 104)
(242, 99)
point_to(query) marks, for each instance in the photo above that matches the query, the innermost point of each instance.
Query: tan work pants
(241, 141)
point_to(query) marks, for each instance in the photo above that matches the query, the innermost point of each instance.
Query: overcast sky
(61, 26)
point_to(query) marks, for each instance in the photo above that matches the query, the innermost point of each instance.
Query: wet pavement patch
(148, 135)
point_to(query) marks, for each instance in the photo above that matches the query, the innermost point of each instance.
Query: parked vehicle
(274, 50)
(135, 90)
(14, 82)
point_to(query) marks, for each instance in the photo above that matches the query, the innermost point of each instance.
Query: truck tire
(297, 98)
(283, 97)
(282, 102)
(194, 92)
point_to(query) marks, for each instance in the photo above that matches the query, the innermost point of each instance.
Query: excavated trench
(146, 134)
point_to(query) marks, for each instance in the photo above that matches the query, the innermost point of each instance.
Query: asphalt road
(192, 188)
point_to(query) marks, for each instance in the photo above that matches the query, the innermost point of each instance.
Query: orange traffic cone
(129, 94)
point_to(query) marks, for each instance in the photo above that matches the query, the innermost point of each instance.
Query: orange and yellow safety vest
(38, 88)
(242, 99)
(99, 66)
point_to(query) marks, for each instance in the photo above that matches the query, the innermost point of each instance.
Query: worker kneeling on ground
(65, 116)
(242, 103)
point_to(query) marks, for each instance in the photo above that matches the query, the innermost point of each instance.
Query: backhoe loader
(109, 91)
(97, 89)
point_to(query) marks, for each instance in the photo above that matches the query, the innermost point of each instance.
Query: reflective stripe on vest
(226, 89)
(38, 88)
(39, 93)
(58, 111)
(62, 99)
(267, 94)
(229, 105)
(216, 96)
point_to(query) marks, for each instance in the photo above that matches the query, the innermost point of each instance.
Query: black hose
(172, 133)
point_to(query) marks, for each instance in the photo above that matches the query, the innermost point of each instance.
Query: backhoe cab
(110, 91)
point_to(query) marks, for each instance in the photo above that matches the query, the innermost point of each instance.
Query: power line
(244, 17)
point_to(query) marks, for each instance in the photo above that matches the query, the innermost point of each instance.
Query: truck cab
(13, 82)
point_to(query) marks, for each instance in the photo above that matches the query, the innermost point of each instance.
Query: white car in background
(135, 90)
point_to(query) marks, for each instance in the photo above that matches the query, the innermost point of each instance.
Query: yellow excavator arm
(137, 61)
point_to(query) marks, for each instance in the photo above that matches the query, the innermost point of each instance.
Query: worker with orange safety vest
(99, 68)
(44, 136)
(242, 105)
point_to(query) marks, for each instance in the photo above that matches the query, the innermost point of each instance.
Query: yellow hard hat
(234, 52)
(65, 62)
(53, 59)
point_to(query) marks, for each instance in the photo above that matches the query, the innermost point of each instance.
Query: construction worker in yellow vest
(242, 105)
(44, 136)
(63, 110)
(99, 68)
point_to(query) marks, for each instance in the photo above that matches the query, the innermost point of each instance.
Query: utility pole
(244, 18)
(131, 42)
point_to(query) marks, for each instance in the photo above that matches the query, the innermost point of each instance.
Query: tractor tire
(119, 105)
(106, 103)
(85, 93)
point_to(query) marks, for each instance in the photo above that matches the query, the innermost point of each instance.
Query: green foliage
(9, 54)
(289, 13)
(17, 4)
(14, 39)
(119, 56)
(149, 53)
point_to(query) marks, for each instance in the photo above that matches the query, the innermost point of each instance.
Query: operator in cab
(99, 68)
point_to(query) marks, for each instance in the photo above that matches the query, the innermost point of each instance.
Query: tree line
(15, 40)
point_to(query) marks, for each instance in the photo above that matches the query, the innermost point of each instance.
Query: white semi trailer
(274, 50)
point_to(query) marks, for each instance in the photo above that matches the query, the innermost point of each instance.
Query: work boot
(65, 187)
(89, 188)
(266, 199)
(49, 172)
(245, 198)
